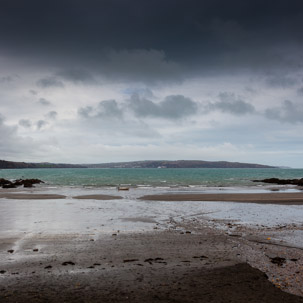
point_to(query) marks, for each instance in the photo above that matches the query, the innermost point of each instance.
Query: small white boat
(123, 188)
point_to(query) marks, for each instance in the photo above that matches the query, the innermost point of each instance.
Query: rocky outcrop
(298, 182)
(13, 184)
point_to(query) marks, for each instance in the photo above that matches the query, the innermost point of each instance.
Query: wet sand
(69, 251)
(264, 198)
(26, 196)
(169, 266)
(97, 197)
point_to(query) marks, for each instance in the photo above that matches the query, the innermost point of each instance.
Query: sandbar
(264, 198)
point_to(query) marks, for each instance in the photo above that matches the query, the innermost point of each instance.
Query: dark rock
(2, 271)
(130, 260)
(12, 185)
(4, 182)
(48, 267)
(26, 183)
(68, 263)
(278, 260)
(10, 251)
(200, 257)
(298, 182)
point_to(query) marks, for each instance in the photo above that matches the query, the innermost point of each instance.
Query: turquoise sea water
(151, 177)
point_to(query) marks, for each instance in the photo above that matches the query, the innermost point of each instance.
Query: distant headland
(136, 164)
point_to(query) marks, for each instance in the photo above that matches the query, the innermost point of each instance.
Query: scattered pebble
(68, 263)
(130, 260)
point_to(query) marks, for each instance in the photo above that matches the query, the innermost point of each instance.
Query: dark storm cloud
(171, 39)
(172, 107)
(287, 112)
(77, 75)
(50, 81)
(230, 103)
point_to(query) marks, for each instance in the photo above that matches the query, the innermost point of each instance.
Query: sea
(153, 177)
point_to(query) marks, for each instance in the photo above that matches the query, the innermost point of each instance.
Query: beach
(92, 245)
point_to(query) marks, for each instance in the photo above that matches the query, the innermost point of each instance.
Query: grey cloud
(85, 112)
(142, 92)
(6, 79)
(41, 123)
(44, 102)
(12, 144)
(9, 131)
(109, 108)
(51, 115)
(25, 123)
(105, 109)
(172, 107)
(109, 120)
(33, 92)
(300, 91)
(281, 81)
(288, 112)
(230, 103)
(49, 82)
(77, 75)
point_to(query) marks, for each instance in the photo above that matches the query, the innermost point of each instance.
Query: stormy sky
(120, 80)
